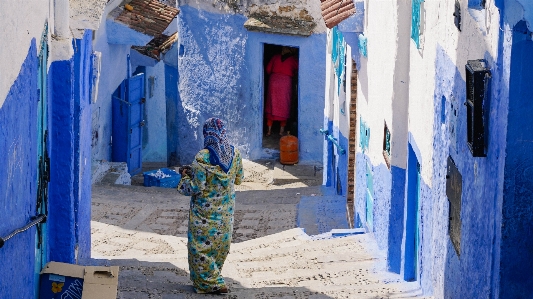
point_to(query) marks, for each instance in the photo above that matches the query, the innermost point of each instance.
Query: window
(364, 135)
(477, 80)
(457, 15)
(386, 145)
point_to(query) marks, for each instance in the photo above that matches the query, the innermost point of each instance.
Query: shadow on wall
(516, 258)
(480, 176)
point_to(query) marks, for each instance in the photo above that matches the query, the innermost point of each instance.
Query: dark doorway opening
(272, 140)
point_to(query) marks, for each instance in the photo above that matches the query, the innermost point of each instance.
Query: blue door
(412, 223)
(43, 160)
(128, 110)
(136, 99)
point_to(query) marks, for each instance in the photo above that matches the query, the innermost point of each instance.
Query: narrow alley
(404, 127)
(144, 231)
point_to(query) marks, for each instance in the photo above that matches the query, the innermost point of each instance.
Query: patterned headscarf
(215, 140)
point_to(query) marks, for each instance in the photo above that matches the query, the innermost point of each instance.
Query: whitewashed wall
(376, 74)
(21, 21)
(479, 35)
(438, 69)
(114, 69)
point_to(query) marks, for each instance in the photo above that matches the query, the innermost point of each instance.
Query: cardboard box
(61, 280)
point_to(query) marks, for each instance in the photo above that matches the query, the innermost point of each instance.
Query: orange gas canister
(288, 149)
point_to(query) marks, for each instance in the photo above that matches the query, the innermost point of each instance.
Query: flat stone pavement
(143, 230)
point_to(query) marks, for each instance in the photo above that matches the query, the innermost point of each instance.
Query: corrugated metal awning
(336, 11)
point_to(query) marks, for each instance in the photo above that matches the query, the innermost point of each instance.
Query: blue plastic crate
(155, 178)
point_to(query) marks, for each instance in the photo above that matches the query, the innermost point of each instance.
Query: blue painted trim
(411, 259)
(396, 219)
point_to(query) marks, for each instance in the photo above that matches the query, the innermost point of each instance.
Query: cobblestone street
(143, 230)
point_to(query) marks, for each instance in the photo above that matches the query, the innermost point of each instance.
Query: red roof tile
(336, 11)
(150, 17)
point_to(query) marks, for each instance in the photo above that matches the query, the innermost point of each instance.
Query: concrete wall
(221, 74)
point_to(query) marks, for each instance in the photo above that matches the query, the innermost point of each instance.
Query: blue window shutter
(415, 22)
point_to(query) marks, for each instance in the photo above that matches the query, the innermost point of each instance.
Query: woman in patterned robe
(210, 182)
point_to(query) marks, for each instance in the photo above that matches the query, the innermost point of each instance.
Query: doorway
(280, 110)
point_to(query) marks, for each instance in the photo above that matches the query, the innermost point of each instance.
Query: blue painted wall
(69, 189)
(61, 223)
(221, 74)
(396, 219)
(172, 100)
(82, 144)
(18, 170)
(482, 179)
(516, 280)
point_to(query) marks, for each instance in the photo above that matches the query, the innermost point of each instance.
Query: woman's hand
(185, 170)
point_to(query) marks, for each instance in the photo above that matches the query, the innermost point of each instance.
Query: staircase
(283, 244)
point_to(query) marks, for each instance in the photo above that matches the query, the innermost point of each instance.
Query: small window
(454, 189)
(386, 145)
(363, 45)
(364, 135)
(477, 80)
(457, 15)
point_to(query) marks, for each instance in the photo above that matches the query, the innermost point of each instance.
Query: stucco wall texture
(436, 122)
(18, 169)
(114, 70)
(221, 74)
(22, 30)
(155, 132)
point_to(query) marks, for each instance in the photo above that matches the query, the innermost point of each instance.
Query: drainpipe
(61, 19)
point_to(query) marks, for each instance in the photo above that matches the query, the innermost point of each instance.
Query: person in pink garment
(281, 68)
